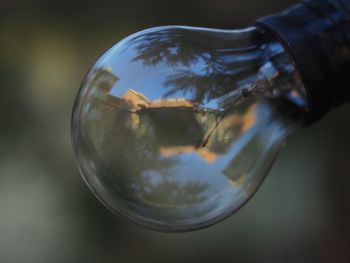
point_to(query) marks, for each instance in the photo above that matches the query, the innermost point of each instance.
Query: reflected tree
(176, 194)
(205, 64)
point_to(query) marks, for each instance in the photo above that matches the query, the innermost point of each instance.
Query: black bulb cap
(317, 35)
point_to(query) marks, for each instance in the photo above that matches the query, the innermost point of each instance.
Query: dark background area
(300, 214)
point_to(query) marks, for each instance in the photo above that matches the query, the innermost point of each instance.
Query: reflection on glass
(175, 128)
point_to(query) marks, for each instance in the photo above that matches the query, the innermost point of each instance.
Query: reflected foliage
(174, 193)
(204, 65)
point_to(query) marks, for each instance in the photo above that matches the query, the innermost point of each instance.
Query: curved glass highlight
(175, 127)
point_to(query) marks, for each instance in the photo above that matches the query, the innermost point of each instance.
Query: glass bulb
(175, 127)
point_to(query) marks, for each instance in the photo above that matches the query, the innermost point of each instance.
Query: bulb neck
(317, 35)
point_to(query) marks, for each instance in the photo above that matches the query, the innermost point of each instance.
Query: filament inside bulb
(243, 94)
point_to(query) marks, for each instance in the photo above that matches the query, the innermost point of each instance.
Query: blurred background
(47, 214)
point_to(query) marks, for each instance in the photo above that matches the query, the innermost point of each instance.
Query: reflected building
(179, 124)
(169, 126)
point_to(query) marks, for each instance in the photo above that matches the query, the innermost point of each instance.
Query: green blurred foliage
(300, 214)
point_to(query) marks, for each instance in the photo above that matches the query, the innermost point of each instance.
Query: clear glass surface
(175, 128)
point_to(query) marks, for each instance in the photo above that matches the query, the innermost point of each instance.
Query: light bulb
(175, 128)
